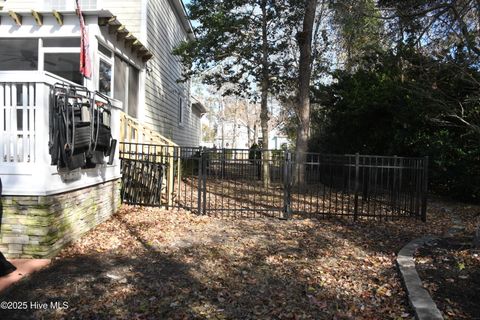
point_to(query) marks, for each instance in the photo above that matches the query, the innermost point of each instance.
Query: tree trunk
(304, 39)
(223, 135)
(234, 137)
(264, 115)
(476, 238)
(249, 134)
(235, 125)
(222, 119)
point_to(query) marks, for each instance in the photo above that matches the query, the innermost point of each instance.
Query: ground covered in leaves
(147, 263)
(450, 271)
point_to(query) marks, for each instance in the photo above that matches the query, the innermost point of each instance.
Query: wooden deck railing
(132, 131)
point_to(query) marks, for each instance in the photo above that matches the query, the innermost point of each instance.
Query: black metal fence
(249, 183)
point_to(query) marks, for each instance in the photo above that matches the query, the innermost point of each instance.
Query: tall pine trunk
(304, 39)
(265, 85)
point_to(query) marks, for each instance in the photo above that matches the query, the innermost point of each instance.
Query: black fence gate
(250, 183)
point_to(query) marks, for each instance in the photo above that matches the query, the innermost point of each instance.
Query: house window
(133, 78)
(62, 42)
(19, 54)
(65, 65)
(104, 50)
(105, 78)
(120, 81)
(61, 56)
(105, 70)
(125, 85)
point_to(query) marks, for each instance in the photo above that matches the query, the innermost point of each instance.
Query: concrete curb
(419, 298)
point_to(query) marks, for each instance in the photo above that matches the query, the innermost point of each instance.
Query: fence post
(200, 178)
(357, 184)
(171, 170)
(287, 177)
(394, 184)
(425, 189)
(223, 162)
(179, 174)
(401, 164)
(205, 159)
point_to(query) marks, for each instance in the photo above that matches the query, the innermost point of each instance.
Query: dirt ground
(148, 263)
(450, 271)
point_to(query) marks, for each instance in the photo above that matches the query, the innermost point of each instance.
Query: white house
(130, 44)
(233, 134)
(236, 134)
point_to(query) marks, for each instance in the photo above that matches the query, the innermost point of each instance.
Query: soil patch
(450, 271)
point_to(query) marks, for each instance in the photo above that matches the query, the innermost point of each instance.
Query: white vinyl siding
(22, 5)
(25, 5)
(69, 4)
(162, 91)
(128, 13)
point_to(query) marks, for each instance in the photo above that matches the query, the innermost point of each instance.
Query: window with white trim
(18, 54)
(61, 56)
(57, 55)
(133, 89)
(105, 70)
(65, 65)
(125, 85)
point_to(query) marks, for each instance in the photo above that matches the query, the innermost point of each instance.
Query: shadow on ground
(181, 266)
(152, 284)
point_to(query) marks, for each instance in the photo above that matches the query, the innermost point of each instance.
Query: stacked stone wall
(39, 226)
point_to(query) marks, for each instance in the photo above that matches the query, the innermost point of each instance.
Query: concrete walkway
(25, 267)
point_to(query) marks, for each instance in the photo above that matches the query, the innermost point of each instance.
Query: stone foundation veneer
(39, 226)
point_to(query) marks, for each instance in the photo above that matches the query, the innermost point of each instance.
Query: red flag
(85, 64)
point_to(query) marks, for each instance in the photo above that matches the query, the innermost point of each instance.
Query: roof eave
(187, 24)
(200, 107)
(105, 18)
(100, 13)
(116, 27)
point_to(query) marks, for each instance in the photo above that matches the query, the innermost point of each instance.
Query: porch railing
(25, 162)
(24, 115)
(131, 130)
(18, 111)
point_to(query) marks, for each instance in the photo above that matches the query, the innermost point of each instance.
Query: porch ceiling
(105, 19)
